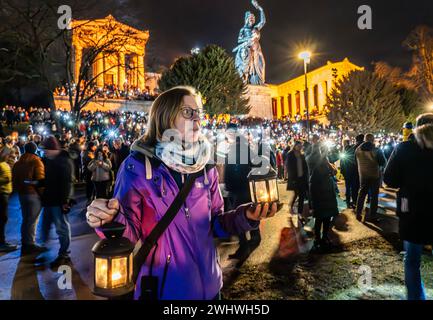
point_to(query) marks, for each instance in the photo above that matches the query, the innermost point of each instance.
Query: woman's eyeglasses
(190, 113)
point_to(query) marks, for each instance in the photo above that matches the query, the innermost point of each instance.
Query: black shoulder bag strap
(143, 252)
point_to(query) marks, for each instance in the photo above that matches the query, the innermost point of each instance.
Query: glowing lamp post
(263, 185)
(306, 57)
(113, 263)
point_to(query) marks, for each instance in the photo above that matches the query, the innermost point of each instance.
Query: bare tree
(30, 41)
(109, 39)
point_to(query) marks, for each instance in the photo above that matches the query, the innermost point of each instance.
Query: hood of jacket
(141, 147)
(424, 135)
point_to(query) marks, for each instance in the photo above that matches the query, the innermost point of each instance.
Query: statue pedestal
(260, 101)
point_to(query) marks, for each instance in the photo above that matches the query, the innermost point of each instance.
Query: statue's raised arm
(262, 22)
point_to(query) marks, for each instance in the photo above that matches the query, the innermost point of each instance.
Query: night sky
(329, 26)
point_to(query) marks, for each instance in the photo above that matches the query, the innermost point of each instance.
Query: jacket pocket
(164, 276)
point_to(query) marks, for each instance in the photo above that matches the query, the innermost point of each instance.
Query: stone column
(77, 61)
(322, 96)
(99, 70)
(278, 107)
(121, 73)
(140, 72)
(134, 71)
(330, 85)
(286, 105)
(311, 97)
(293, 94)
(303, 105)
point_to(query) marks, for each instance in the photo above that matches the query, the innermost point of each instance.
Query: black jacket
(58, 183)
(294, 182)
(118, 156)
(348, 164)
(322, 189)
(236, 173)
(410, 169)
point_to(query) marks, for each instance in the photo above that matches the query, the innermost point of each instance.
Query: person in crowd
(284, 154)
(410, 170)
(297, 175)
(5, 191)
(388, 149)
(10, 116)
(280, 163)
(370, 160)
(147, 183)
(119, 153)
(56, 198)
(75, 153)
(349, 171)
(238, 166)
(322, 194)
(87, 156)
(26, 176)
(15, 151)
(100, 168)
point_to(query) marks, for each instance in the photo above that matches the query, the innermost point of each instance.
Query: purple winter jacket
(185, 262)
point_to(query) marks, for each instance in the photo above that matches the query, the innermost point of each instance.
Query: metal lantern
(113, 263)
(263, 185)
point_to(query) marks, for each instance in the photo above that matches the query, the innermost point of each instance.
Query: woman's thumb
(113, 204)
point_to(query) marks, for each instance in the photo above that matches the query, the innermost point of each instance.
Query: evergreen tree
(212, 72)
(366, 103)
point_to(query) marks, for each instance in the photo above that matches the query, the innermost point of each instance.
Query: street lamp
(306, 57)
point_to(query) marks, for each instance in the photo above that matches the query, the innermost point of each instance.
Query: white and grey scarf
(184, 158)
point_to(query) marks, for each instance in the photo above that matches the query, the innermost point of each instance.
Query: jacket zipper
(164, 277)
(187, 212)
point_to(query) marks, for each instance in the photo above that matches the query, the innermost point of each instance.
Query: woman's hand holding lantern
(260, 212)
(101, 212)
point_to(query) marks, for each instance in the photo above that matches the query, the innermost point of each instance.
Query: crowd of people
(120, 156)
(111, 92)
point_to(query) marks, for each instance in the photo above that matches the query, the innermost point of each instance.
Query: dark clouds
(176, 26)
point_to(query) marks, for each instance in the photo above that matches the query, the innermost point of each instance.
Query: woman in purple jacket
(185, 260)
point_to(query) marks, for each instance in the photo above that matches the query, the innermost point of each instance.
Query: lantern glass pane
(262, 194)
(119, 272)
(131, 265)
(273, 190)
(101, 272)
(253, 197)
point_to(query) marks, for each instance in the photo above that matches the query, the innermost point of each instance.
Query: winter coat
(100, 173)
(86, 158)
(369, 159)
(322, 189)
(118, 156)
(238, 166)
(348, 164)
(410, 169)
(5, 178)
(186, 261)
(58, 183)
(28, 168)
(294, 182)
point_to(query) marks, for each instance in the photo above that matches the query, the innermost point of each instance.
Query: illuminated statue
(250, 61)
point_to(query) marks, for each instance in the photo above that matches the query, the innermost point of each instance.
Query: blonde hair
(164, 111)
